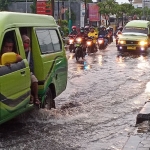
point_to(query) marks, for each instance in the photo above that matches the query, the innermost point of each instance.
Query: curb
(144, 114)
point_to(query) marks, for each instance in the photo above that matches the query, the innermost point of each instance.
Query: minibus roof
(138, 23)
(15, 19)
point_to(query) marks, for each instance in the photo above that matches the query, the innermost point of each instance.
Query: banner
(94, 12)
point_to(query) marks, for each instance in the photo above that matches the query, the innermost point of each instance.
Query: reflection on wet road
(105, 91)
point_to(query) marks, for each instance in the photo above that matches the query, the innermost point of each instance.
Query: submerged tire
(77, 54)
(48, 101)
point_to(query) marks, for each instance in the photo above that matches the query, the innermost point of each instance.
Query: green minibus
(135, 36)
(49, 57)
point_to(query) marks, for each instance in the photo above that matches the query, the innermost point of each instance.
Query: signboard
(93, 12)
(43, 7)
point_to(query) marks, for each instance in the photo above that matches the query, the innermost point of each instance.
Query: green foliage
(73, 16)
(64, 26)
(4, 4)
(33, 6)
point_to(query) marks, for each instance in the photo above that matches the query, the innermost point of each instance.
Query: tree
(33, 6)
(4, 4)
(107, 7)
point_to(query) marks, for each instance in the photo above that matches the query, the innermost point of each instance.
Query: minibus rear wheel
(48, 101)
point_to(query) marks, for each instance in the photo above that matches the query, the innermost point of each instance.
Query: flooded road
(97, 111)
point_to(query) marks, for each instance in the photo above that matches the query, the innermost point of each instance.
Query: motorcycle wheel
(71, 47)
(77, 54)
(89, 50)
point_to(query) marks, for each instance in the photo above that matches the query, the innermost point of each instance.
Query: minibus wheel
(48, 101)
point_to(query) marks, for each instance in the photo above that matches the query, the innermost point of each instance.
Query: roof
(138, 23)
(10, 19)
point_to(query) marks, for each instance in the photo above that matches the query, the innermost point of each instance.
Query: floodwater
(97, 111)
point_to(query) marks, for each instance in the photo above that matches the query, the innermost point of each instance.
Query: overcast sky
(119, 1)
(122, 1)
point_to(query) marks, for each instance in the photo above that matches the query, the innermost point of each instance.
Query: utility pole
(85, 16)
(69, 23)
(26, 6)
(52, 7)
(62, 17)
(58, 13)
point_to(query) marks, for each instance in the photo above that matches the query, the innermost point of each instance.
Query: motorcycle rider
(86, 29)
(119, 32)
(83, 35)
(92, 33)
(110, 32)
(120, 28)
(103, 33)
(73, 35)
(74, 31)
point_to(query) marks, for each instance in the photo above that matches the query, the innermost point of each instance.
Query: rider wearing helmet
(103, 33)
(87, 28)
(92, 33)
(83, 35)
(119, 32)
(110, 34)
(82, 32)
(74, 31)
(120, 28)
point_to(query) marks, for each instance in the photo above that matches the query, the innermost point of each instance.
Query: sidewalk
(140, 139)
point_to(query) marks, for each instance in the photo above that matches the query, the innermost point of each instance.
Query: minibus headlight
(122, 42)
(142, 43)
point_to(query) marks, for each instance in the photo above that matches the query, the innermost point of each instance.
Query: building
(137, 3)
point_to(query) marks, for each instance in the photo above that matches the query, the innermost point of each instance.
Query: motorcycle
(101, 42)
(71, 43)
(79, 52)
(91, 47)
(117, 37)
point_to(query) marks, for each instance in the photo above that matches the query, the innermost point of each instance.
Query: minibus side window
(45, 41)
(11, 35)
(55, 40)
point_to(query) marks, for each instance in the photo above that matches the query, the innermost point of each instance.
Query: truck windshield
(136, 30)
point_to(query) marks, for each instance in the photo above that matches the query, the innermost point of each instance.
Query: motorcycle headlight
(142, 43)
(78, 39)
(122, 42)
(88, 42)
(71, 41)
(100, 41)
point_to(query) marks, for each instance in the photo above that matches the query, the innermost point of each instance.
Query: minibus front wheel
(48, 101)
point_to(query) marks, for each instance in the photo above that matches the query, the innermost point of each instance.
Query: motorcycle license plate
(131, 47)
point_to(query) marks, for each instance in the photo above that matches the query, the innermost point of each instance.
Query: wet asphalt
(97, 111)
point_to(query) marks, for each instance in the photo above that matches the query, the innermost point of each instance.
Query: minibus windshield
(136, 30)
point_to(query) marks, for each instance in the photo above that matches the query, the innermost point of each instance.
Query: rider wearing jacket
(103, 33)
(74, 31)
(83, 35)
(93, 34)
